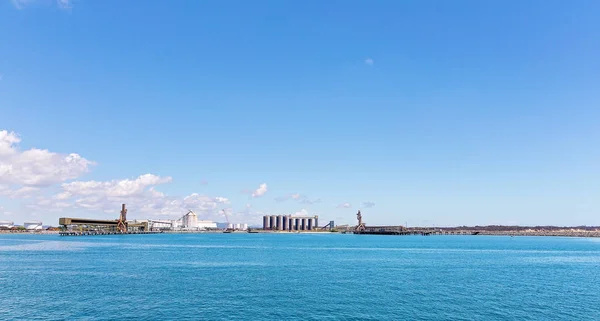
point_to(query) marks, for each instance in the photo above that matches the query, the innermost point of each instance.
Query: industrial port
(189, 223)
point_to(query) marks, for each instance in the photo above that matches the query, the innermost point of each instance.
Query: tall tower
(361, 226)
(123, 213)
(122, 221)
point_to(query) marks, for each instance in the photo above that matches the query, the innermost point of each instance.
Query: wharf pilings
(92, 233)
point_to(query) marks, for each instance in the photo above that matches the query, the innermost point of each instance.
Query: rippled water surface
(298, 277)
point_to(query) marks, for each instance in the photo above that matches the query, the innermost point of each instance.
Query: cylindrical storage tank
(297, 224)
(238, 226)
(244, 227)
(304, 224)
(230, 226)
(285, 223)
(273, 222)
(33, 225)
(7, 224)
(279, 222)
(316, 221)
(290, 224)
(265, 222)
(310, 224)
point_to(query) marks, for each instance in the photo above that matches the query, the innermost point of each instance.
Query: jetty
(90, 233)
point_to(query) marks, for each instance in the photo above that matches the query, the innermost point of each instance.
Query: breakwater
(508, 231)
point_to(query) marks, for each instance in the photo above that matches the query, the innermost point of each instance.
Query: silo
(238, 226)
(316, 221)
(273, 224)
(279, 222)
(230, 226)
(304, 224)
(285, 223)
(265, 222)
(190, 220)
(297, 224)
(290, 223)
(244, 227)
(310, 223)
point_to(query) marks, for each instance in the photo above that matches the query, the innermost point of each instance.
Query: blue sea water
(298, 277)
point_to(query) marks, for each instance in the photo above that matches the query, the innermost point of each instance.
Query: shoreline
(559, 233)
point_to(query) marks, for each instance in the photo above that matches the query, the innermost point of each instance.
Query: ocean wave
(218, 264)
(52, 246)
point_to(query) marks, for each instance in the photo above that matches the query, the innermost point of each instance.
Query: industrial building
(176, 225)
(187, 222)
(362, 228)
(6, 225)
(206, 225)
(33, 226)
(290, 223)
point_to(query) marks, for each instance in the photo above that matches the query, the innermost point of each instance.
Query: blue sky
(432, 112)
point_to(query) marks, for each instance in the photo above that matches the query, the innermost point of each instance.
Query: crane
(227, 218)
(361, 226)
(122, 221)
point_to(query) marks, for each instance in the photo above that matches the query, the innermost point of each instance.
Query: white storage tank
(230, 226)
(33, 225)
(238, 226)
(244, 227)
(6, 224)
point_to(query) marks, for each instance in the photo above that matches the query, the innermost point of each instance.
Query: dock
(91, 233)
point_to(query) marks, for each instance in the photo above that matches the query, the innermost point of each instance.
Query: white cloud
(114, 188)
(368, 204)
(307, 201)
(300, 198)
(139, 194)
(302, 212)
(221, 200)
(345, 205)
(369, 62)
(23, 192)
(260, 191)
(20, 4)
(62, 4)
(23, 174)
(36, 167)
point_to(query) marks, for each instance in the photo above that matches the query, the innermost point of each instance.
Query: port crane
(227, 219)
(122, 221)
(361, 226)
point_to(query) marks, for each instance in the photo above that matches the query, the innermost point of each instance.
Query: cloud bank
(34, 175)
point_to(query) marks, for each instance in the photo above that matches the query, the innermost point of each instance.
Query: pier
(91, 233)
